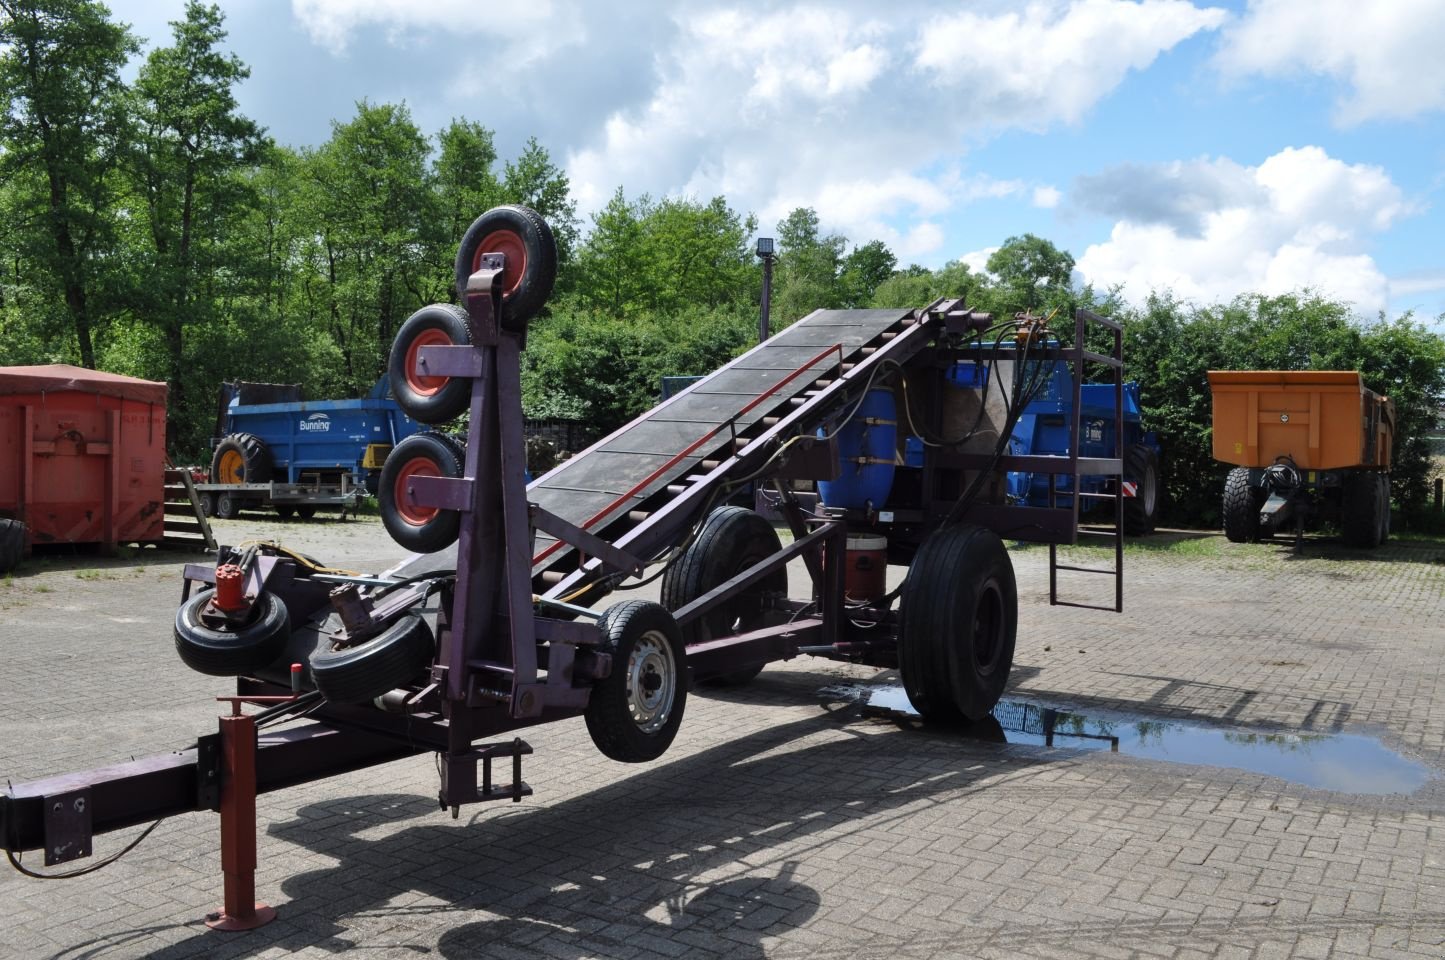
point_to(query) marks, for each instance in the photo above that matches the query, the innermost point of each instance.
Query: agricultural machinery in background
(494, 623)
(298, 456)
(1309, 445)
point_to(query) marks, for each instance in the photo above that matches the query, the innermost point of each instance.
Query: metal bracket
(208, 772)
(67, 826)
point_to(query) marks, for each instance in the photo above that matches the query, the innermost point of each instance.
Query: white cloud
(332, 22)
(1299, 219)
(1046, 197)
(853, 112)
(1387, 52)
(977, 260)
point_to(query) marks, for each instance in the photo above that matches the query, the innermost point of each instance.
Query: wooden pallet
(186, 523)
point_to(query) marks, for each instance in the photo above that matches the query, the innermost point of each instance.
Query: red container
(866, 578)
(82, 454)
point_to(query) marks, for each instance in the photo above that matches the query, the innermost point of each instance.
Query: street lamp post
(765, 253)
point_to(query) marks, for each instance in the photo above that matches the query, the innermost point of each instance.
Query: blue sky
(1207, 148)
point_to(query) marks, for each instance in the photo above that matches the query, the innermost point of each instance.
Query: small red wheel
(425, 397)
(417, 526)
(524, 238)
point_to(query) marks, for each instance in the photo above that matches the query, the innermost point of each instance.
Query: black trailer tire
(372, 482)
(429, 399)
(12, 544)
(231, 652)
(208, 503)
(959, 622)
(417, 528)
(391, 659)
(228, 506)
(1141, 511)
(286, 512)
(241, 458)
(306, 512)
(731, 540)
(1361, 506)
(531, 251)
(1242, 503)
(634, 712)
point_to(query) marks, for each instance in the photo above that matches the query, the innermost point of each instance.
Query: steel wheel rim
(421, 383)
(510, 245)
(988, 628)
(232, 468)
(650, 664)
(413, 513)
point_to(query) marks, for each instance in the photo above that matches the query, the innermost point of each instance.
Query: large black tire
(1141, 511)
(363, 672)
(285, 512)
(228, 505)
(634, 712)
(731, 540)
(531, 269)
(1242, 503)
(1362, 506)
(419, 529)
(429, 399)
(231, 652)
(959, 619)
(306, 512)
(241, 458)
(12, 544)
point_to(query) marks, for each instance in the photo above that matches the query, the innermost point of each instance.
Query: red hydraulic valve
(230, 589)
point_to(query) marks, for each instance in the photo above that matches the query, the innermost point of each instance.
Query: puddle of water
(1346, 762)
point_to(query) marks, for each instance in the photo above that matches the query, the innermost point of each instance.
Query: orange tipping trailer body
(1322, 419)
(82, 454)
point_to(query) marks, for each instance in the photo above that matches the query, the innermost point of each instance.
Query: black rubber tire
(391, 659)
(959, 617)
(285, 512)
(12, 544)
(1242, 503)
(1141, 465)
(255, 457)
(228, 506)
(429, 399)
(208, 503)
(524, 291)
(305, 512)
(372, 482)
(420, 531)
(616, 732)
(1361, 506)
(231, 653)
(731, 540)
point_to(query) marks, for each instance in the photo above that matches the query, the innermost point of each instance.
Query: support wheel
(1362, 508)
(241, 458)
(365, 671)
(1141, 465)
(228, 506)
(426, 398)
(524, 238)
(305, 513)
(1242, 503)
(419, 528)
(212, 646)
(731, 540)
(959, 619)
(633, 714)
(285, 513)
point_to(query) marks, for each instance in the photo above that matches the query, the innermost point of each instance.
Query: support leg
(238, 828)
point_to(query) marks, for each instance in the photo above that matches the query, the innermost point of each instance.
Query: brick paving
(779, 826)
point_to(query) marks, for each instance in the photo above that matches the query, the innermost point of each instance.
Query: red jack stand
(238, 825)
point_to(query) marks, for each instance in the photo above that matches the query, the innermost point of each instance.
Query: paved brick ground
(780, 827)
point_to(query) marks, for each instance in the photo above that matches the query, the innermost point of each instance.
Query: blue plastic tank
(867, 452)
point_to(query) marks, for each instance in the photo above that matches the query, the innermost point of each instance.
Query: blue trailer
(1043, 430)
(276, 450)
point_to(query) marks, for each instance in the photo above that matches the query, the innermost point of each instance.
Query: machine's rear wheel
(633, 713)
(1362, 505)
(306, 512)
(959, 621)
(1141, 465)
(222, 649)
(1242, 503)
(241, 458)
(419, 528)
(524, 238)
(228, 506)
(425, 397)
(731, 540)
(286, 513)
(373, 667)
(12, 544)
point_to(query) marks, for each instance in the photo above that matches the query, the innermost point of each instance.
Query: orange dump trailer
(82, 455)
(1306, 443)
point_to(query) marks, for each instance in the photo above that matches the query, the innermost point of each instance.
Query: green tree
(62, 125)
(918, 286)
(192, 147)
(806, 278)
(1030, 273)
(864, 271)
(533, 180)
